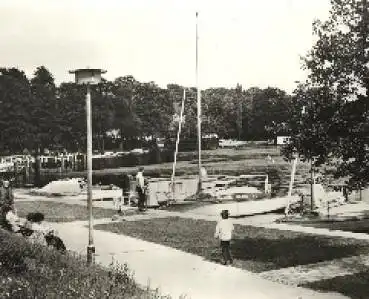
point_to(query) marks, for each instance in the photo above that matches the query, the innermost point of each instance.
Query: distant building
(281, 140)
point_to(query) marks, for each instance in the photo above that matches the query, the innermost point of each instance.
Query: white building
(281, 140)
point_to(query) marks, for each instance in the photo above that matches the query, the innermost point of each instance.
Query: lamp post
(89, 77)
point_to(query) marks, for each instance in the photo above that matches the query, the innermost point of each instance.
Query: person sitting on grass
(10, 220)
(38, 230)
(6, 194)
(223, 232)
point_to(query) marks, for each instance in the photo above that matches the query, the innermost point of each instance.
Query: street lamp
(89, 77)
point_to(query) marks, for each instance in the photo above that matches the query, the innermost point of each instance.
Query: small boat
(246, 208)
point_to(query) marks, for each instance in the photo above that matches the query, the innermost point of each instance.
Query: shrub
(34, 271)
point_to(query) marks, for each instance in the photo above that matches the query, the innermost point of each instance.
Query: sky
(251, 42)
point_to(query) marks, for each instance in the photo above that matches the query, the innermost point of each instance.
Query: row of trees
(37, 114)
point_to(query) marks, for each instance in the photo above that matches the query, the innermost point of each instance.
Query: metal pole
(177, 143)
(312, 185)
(91, 246)
(199, 186)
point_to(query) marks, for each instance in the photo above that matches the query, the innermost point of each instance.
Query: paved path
(154, 264)
(178, 273)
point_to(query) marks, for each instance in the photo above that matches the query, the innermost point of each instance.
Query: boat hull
(246, 208)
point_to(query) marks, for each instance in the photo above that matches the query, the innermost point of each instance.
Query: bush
(33, 271)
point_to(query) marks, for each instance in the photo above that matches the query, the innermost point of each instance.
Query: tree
(72, 123)
(154, 108)
(270, 108)
(338, 87)
(126, 119)
(15, 120)
(44, 114)
(102, 112)
(312, 125)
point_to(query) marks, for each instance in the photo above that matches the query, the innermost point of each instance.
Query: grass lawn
(354, 286)
(60, 212)
(220, 161)
(254, 249)
(356, 226)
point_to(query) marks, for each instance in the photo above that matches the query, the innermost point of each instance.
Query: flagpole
(199, 186)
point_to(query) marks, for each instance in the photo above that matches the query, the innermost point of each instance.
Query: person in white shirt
(140, 188)
(11, 221)
(223, 232)
(35, 223)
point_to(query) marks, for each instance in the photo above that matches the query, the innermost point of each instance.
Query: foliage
(42, 115)
(335, 96)
(30, 271)
(15, 119)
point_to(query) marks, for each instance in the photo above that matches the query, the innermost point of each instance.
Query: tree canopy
(334, 99)
(42, 115)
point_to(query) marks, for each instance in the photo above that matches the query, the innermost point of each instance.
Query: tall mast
(199, 187)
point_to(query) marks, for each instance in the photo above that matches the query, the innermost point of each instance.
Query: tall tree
(338, 67)
(44, 113)
(15, 119)
(72, 124)
(102, 112)
(154, 108)
(126, 119)
(270, 108)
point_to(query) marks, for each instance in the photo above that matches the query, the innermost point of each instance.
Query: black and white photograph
(170, 149)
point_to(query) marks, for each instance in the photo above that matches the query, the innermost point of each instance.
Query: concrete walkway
(178, 273)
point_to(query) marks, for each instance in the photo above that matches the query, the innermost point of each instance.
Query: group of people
(33, 227)
(141, 190)
(224, 228)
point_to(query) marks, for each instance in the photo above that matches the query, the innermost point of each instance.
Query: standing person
(6, 195)
(140, 188)
(125, 185)
(223, 232)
